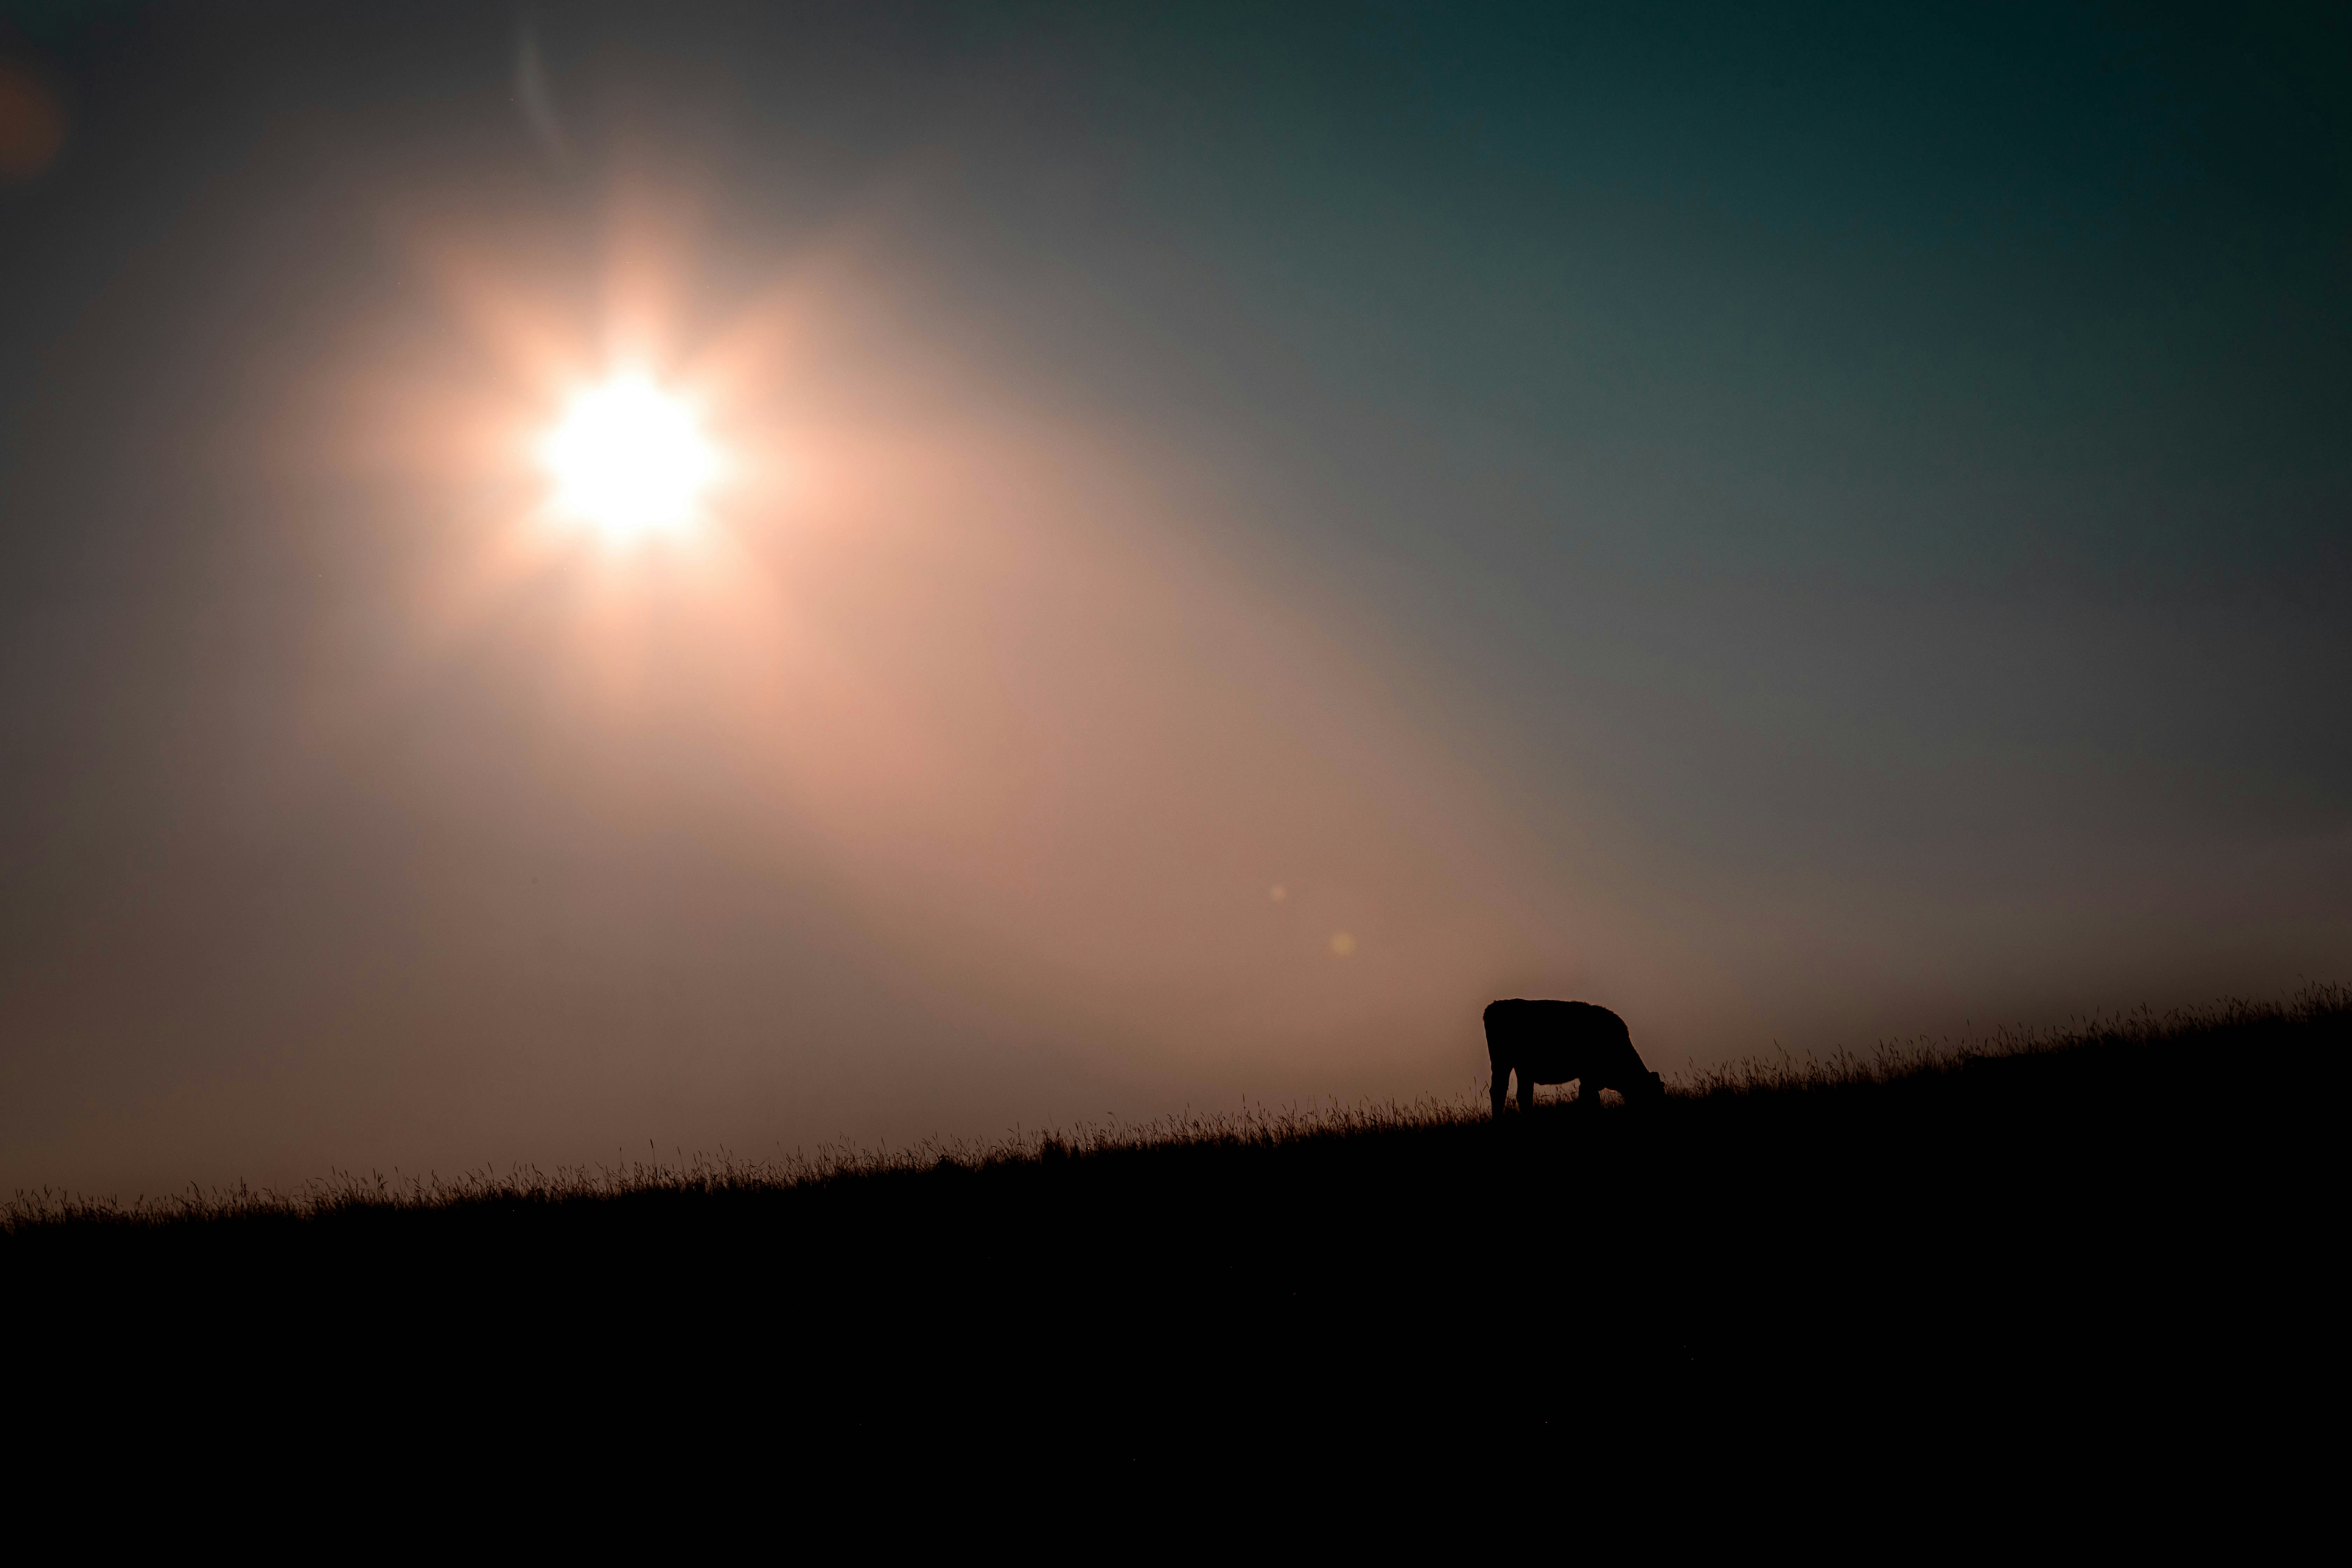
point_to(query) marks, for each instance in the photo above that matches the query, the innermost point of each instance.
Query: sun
(629, 458)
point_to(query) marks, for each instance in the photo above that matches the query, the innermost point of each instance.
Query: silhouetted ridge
(1933, 1225)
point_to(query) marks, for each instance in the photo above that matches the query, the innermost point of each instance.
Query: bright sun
(629, 458)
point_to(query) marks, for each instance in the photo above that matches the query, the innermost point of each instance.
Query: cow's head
(1650, 1088)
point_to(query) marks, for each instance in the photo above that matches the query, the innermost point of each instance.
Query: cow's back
(1552, 1041)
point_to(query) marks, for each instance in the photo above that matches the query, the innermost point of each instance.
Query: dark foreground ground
(2110, 1243)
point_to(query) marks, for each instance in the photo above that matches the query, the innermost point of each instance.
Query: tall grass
(723, 1173)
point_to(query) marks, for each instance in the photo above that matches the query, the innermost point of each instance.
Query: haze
(1245, 534)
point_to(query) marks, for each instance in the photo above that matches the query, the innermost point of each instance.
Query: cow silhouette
(1553, 1042)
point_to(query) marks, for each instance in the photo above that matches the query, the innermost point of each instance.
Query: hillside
(1924, 1234)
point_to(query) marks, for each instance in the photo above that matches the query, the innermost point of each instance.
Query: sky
(1243, 533)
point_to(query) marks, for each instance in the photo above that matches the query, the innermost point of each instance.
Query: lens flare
(629, 458)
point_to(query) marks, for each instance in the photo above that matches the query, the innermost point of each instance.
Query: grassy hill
(1925, 1239)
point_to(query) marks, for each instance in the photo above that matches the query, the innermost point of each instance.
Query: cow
(1552, 1041)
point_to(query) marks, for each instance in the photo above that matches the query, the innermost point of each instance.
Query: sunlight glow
(629, 458)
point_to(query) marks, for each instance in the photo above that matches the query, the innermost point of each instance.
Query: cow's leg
(1500, 1090)
(1527, 1092)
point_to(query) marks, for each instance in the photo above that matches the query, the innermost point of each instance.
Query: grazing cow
(1552, 1041)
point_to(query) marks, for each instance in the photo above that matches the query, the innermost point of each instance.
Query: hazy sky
(1804, 527)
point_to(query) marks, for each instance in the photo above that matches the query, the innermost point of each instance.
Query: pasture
(1925, 1236)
